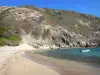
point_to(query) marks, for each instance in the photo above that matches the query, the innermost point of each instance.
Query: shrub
(3, 30)
(2, 41)
(15, 37)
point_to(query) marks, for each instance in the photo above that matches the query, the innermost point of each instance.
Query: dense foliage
(6, 37)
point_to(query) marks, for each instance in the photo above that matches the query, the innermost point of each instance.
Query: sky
(83, 6)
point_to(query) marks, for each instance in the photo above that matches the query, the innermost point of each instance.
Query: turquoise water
(93, 56)
(94, 52)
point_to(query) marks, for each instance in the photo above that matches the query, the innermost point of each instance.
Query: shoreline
(24, 66)
(64, 67)
(7, 54)
(43, 62)
(54, 65)
(9, 61)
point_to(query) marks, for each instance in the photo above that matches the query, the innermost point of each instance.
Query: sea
(76, 54)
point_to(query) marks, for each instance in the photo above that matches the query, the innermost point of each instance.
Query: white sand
(8, 51)
(22, 66)
(25, 66)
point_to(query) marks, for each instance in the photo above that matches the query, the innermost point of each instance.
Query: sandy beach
(16, 61)
(13, 63)
(24, 66)
(64, 67)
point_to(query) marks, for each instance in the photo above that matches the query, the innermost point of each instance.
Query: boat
(87, 50)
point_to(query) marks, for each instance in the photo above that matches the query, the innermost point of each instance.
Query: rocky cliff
(49, 28)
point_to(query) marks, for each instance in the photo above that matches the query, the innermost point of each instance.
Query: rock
(46, 28)
(12, 43)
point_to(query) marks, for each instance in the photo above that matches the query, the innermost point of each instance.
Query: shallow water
(59, 60)
(93, 56)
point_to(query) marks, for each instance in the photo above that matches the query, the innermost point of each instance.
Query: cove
(93, 56)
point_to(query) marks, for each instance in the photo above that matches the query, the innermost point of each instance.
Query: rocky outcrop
(35, 27)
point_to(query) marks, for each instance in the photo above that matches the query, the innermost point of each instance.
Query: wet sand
(24, 66)
(32, 63)
(64, 67)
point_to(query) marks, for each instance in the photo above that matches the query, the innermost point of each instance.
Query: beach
(64, 67)
(24, 60)
(13, 63)
(24, 66)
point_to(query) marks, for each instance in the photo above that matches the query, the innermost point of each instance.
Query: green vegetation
(14, 37)
(69, 20)
(2, 31)
(6, 36)
(30, 7)
(2, 41)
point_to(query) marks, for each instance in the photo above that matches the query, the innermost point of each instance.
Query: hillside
(48, 28)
